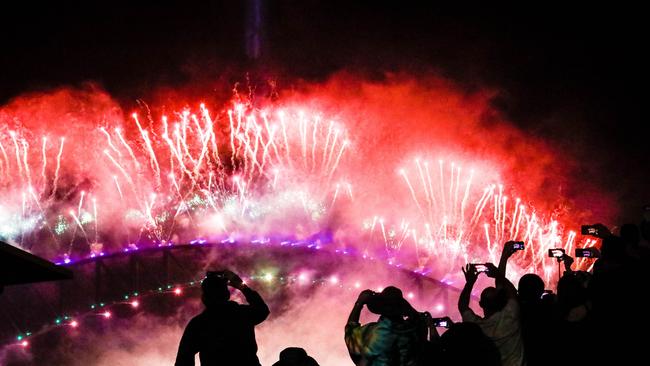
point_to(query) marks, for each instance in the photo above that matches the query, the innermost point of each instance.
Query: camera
(556, 253)
(440, 322)
(589, 230)
(587, 253)
(215, 274)
(518, 245)
(480, 267)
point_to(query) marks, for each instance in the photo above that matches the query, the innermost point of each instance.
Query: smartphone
(215, 274)
(589, 230)
(518, 245)
(556, 253)
(480, 267)
(440, 322)
(586, 253)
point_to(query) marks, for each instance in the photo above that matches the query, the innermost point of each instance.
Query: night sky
(575, 77)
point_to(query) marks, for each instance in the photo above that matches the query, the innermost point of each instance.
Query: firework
(253, 172)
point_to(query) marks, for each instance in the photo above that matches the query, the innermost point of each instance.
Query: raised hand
(233, 279)
(493, 271)
(509, 249)
(602, 231)
(470, 273)
(365, 296)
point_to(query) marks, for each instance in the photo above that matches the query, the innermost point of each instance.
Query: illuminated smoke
(417, 173)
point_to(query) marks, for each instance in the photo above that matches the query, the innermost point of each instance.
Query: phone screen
(481, 268)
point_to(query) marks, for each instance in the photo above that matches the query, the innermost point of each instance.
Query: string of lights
(134, 299)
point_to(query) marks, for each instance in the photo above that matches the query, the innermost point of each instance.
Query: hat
(389, 302)
(295, 356)
(215, 290)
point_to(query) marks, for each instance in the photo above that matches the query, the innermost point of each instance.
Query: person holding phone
(501, 316)
(224, 333)
(396, 339)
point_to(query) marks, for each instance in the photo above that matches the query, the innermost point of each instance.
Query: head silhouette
(492, 301)
(570, 293)
(630, 235)
(294, 356)
(613, 248)
(215, 290)
(389, 303)
(531, 288)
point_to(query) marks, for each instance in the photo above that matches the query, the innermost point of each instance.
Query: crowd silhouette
(592, 318)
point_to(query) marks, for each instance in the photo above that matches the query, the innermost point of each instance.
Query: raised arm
(506, 253)
(470, 279)
(258, 309)
(358, 305)
(568, 261)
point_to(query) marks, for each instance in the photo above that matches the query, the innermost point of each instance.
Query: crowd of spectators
(592, 318)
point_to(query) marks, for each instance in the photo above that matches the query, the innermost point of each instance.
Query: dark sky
(576, 77)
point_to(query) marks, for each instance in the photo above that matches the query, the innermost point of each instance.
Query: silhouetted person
(631, 237)
(294, 356)
(575, 330)
(392, 340)
(501, 317)
(644, 227)
(466, 344)
(431, 353)
(224, 333)
(618, 287)
(536, 320)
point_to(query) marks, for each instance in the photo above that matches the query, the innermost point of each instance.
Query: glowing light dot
(268, 277)
(380, 289)
(178, 291)
(303, 277)
(74, 323)
(106, 314)
(410, 295)
(357, 285)
(440, 307)
(24, 344)
(135, 303)
(334, 280)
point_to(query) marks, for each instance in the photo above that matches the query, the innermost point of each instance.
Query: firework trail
(278, 169)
